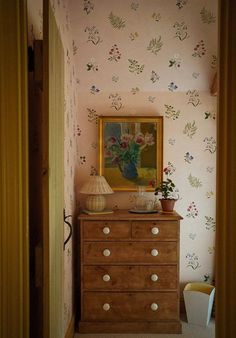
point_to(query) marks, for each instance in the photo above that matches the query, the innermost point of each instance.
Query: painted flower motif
(181, 31)
(92, 115)
(115, 78)
(175, 61)
(195, 75)
(116, 101)
(134, 6)
(88, 6)
(93, 35)
(135, 90)
(192, 211)
(206, 278)
(114, 54)
(192, 236)
(151, 98)
(194, 181)
(154, 77)
(210, 144)
(188, 158)
(82, 159)
(79, 131)
(135, 67)
(210, 115)
(207, 16)
(172, 86)
(214, 62)
(93, 171)
(170, 169)
(171, 141)
(171, 113)
(211, 250)
(155, 45)
(210, 169)
(210, 223)
(181, 3)
(94, 90)
(92, 65)
(133, 36)
(116, 21)
(209, 194)
(192, 261)
(199, 49)
(193, 97)
(156, 16)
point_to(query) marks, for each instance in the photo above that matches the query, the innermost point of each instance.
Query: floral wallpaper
(144, 57)
(155, 58)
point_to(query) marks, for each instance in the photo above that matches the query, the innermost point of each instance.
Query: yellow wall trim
(14, 241)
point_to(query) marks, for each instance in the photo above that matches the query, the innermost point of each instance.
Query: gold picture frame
(131, 151)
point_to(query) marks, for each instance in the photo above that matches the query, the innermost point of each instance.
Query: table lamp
(96, 187)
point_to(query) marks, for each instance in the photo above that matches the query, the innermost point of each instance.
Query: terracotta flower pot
(167, 204)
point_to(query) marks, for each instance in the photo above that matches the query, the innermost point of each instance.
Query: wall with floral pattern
(153, 57)
(144, 57)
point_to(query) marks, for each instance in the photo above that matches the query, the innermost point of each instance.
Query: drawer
(156, 230)
(106, 230)
(130, 252)
(119, 306)
(130, 277)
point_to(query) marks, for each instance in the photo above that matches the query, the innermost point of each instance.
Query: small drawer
(117, 306)
(130, 277)
(106, 230)
(156, 230)
(130, 252)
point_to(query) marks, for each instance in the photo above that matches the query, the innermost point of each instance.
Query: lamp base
(95, 203)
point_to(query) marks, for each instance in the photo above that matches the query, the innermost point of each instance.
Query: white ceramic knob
(106, 230)
(106, 307)
(154, 277)
(106, 252)
(155, 231)
(154, 252)
(106, 278)
(154, 306)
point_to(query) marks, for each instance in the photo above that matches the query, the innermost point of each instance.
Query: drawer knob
(154, 277)
(154, 306)
(106, 307)
(106, 278)
(154, 252)
(106, 252)
(155, 231)
(106, 230)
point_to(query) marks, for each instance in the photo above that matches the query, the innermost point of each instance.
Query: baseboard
(71, 328)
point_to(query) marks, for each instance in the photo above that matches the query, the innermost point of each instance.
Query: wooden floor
(189, 331)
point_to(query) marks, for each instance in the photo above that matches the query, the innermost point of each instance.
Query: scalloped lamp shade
(96, 187)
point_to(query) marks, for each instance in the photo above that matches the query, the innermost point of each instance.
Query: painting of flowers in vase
(131, 151)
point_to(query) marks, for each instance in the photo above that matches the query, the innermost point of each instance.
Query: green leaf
(116, 21)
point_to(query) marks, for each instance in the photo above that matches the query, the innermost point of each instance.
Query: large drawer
(130, 252)
(141, 306)
(130, 277)
(157, 230)
(106, 230)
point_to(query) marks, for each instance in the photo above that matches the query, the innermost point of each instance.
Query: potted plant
(167, 191)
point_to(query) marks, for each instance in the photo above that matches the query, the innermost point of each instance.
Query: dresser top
(126, 215)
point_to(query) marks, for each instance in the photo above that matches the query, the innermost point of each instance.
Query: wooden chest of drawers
(129, 268)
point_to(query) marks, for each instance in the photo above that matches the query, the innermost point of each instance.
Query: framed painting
(131, 151)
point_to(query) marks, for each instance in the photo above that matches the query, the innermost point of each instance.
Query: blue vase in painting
(129, 171)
